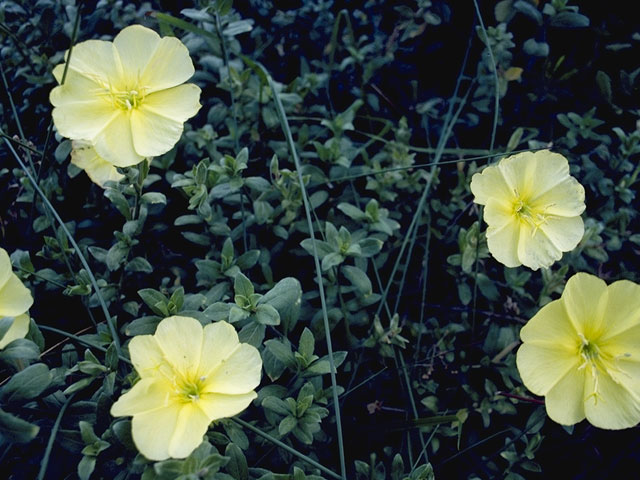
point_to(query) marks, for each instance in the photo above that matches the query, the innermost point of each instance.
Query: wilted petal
(170, 65)
(15, 298)
(614, 407)
(240, 373)
(565, 401)
(191, 426)
(585, 298)
(218, 405)
(115, 143)
(541, 367)
(219, 341)
(146, 395)
(180, 338)
(18, 329)
(564, 232)
(97, 168)
(153, 431)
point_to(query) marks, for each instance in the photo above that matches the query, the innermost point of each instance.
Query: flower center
(190, 389)
(127, 100)
(528, 214)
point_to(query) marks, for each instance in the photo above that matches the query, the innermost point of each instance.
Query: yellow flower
(189, 376)
(15, 300)
(85, 157)
(532, 208)
(582, 352)
(126, 97)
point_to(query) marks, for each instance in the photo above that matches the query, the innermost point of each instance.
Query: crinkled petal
(99, 61)
(503, 243)
(191, 426)
(135, 45)
(5, 267)
(158, 123)
(146, 355)
(489, 184)
(541, 367)
(240, 373)
(565, 401)
(115, 142)
(220, 340)
(218, 405)
(180, 338)
(585, 297)
(564, 232)
(152, 431)
(146, 395)
(535, 249)
(519, 172)
(565, 199)
(551, 327)
(18, 329)
(169, 66)
(613, 407)
(622, 311)
(99, 170)
(15, 298)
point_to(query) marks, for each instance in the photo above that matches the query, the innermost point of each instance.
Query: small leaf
(26, 384)
(15, 429)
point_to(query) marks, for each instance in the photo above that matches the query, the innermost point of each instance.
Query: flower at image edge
(126, 97)
(189, 376)
(15, 300)
(582, 353)
(532, 208)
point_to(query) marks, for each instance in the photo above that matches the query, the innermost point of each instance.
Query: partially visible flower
(532, 208)
(126, 97)
(85, 157)
(582, 352)
(15, 300)
(189, 376)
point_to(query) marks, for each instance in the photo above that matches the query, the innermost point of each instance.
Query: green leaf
(119, 201)
(322, 366)
(276, 405)
(351, 211)
(358, 279)
(282, 351)
(116, 255)
(15, 429)
(307, 343)
(286, 298)
(331, 260)
(243, 286)
(237, 466)
(138, 264)
(154, 197)
(287, 424)
(370, 246)
(252, 333)
(86, 467)
(569, 19)
(26, 384)
(267, 315)
(18, 351)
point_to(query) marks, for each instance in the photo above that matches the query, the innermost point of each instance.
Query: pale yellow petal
(136, 45)
(626, 370)
(115, 143)
(98, 60)
(219, 341)
(613, 407)
(565, 401)
(180, 338)
(191, 426)
(154, 134)
(5, 267)
(541, 367)
(585, 297)
(169, 66)
(489, 184)
(498, 212)
(240, 373)
(146, 395)
(218, 405)
(503, 243)
(97, 168)
(564, 232)
(623, 348)
(146, 355)
(565, 199)
(78, 89)
(519, 172)
(551, 327)
(549, 170)
(152, 431)
(535, 249)
(18, 329)
(15, 298)
(623, 310)
(178, 103)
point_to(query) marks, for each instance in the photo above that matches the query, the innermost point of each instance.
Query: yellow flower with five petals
(189, 376)
(532, 208)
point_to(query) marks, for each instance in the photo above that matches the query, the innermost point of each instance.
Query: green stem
(52, 437)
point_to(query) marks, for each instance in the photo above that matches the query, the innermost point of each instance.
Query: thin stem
(52, 438)
(226, 63)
